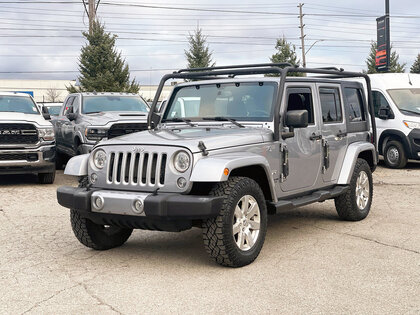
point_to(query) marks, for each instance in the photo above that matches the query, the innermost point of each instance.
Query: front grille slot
(18, 134)
(142, 169)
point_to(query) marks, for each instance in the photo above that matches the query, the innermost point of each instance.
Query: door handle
(341, 134)
(314, 137)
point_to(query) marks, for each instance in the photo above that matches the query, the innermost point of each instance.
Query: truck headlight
(46, 133)
(412, 124)
(99, 159)
(182, 161)
(96, 134)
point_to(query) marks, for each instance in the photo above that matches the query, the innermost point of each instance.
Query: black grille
(125, 129)
(32, 157)
(18, 134)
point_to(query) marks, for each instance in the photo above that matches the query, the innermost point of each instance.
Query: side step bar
(316, 196)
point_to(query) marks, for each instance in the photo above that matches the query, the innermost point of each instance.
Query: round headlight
(99, 159)
(182, 161)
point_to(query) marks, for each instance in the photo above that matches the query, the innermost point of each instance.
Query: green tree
(286, 52)
(395, 66)
(415, 68)
(198, 54)
(101, 66)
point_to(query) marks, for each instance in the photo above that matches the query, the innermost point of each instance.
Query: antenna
(409, 79)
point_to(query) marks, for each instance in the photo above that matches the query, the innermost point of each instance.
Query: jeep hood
(104, 118)
(213, 138)
(36, 119)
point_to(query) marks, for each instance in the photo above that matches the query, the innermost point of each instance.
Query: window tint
(331, 105)
(76, 105)
(354, 104)
(378, 101)
(301, 99)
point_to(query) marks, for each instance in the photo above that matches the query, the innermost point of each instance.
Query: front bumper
(414, 139)
(40, 160)
(120, 204)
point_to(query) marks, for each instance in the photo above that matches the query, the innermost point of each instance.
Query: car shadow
(19, 179)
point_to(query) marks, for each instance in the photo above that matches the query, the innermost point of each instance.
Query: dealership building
(56, 91)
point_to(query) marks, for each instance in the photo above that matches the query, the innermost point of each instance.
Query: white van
(396, 97)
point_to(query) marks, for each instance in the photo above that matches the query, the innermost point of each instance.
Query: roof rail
(256, 65)
(331, 68)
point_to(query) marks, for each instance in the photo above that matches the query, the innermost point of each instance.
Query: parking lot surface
(311, 261)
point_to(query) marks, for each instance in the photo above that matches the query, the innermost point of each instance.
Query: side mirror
(71, 116)
(297, 119)
(45, 113)
(385, 113)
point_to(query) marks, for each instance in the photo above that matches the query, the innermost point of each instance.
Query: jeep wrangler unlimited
(27, 142)
(226, 151)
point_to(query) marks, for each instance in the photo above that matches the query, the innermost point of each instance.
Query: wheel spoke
(236, 228)
(252, 210)
(238, 212)
(245, 204)
(241, 240)
(254, 225)
(249, 239)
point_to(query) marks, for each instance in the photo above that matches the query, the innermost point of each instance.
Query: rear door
(333, 129)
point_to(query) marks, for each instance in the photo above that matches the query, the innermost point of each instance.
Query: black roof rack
(282, 69)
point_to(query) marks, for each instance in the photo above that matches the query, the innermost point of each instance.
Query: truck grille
(18, 134)
(124, 129)
(31, 157)
(142, 169)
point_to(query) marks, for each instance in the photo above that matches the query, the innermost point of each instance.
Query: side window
(378, 101)
(354, 104)
(301, 98)
(67, 105)
(76, 105)
(331, 105)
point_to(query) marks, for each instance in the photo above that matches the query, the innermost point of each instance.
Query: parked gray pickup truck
(224, 153)
(86, 118)
(27, 142)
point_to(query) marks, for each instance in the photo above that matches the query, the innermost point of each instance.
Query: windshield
(95, 104)
(18, 104)
(406, 99)
(54, 110)
(240, 101)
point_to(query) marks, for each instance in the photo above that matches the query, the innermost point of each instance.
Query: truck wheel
(46, 178)
(235, 237)
(354, 204)
(79, 150)
(96, 236)
(394, 155)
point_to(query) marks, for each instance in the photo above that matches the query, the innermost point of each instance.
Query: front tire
(355, 203)
(96, 236)
(236, 236)
(46, 178)
(394, 154)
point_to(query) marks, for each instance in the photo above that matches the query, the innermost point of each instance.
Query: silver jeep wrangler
(223, 153)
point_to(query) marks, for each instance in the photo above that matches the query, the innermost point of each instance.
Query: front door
(334, 131)
(304, 149)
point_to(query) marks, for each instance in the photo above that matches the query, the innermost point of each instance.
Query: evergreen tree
(415, 68)
(101, 67)
(286, 52)
(198, 54)
(394, 66)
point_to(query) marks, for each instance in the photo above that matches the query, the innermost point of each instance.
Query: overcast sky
(45, 38)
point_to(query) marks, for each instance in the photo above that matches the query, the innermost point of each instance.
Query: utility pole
(92, 14)
(302, 34)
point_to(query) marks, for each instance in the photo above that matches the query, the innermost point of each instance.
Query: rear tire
(96, 236)
(46, 178)
(355, 203)
(235, 237)
(394, 154)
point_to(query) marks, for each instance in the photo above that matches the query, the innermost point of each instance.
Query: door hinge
(326, 154)
(284, 167)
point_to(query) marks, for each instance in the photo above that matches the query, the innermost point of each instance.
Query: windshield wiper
(221, 118)
(410, 111)
(177, 119)
(94, 112)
